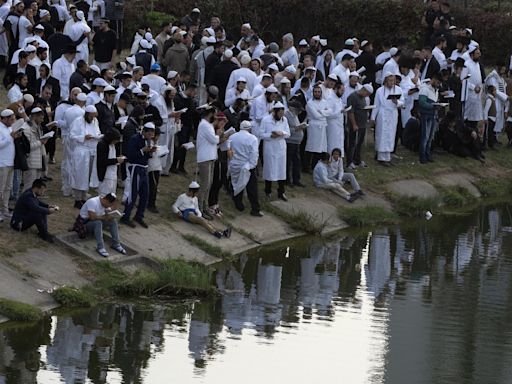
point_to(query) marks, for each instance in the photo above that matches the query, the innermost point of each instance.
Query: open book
(48, 135)
(188, 146)
(229, 132)
(115, 212)
(368, 107)
(441, 104)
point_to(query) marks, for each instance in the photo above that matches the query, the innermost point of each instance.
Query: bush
(457, 197)
(17, 311)
(73, 297)
(368, 216)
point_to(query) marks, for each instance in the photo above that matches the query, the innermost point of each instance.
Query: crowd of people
(251, 109)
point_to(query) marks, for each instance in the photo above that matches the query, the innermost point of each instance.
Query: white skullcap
(136, 90)
(245, 59)
(210, 31)
(388, 74)
(81, 97)
(285, 80)
(145, 44)
(273, 67)
(316, 38)
(174, 29)
(30, 49)
(278, 105)
(364, 43)
(266, 75)
(80, 15)
(99, 82)
(148, 36)
(452, 27)
(228, 54)
(211, 40)
(303, 43)
(166, 88)
(36, 110)
(369, 88)
(196, 10)
(242, 79)
(109, 88)
(354, 73)
(182, 33)
(333, 76)
(43, 13)
(204, 39)
(355, 39)
(149, 125)
(271, 89)
(310, 69)
(288, 37)
(39, 26)
(349, 42)
(291, 69)
(245, 125)
(472, 48)
(28, 98)
(91, 109)
(323, 42)
(469, 30)
(393, 51)
(247, 25)
(6, 113)
(95, 68)
(130, 60)
(172, 74)
(193, 185)
(16, 2)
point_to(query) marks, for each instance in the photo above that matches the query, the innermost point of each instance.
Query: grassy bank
(16, 311)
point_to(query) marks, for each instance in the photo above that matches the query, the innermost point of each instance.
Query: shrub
(73, 297)
(17, 311)
(368, 216)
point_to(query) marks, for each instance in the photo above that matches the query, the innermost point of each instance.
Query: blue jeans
(96, 227)
(140, 187)
(427, 134)
(16, 181)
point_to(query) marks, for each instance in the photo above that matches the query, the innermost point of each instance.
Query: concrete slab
(163, 242)
(370, 199)
(14, 285)
(413, 188)
(459, 180)
(236, 244)
(318, 209)
(266, 229)
(50, 267)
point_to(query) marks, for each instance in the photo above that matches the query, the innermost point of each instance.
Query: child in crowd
(336, 173)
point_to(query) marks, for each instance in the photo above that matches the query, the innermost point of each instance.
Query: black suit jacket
(433, 67)
(10, 75)
(28, 206)
(55, 84)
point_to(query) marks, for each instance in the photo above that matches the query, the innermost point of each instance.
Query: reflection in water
(429, 303)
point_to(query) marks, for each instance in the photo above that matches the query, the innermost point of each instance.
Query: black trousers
(293, 163)
(252, 193)
(220, 177)
(37, 219)
(154, 178)
(305, 156)
(315, 157)
(355, 142)
(180, 153)
(50, 147)
(280, 187)
(490, 135)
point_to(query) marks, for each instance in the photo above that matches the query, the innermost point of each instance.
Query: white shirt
(184, 202)
(71, 114)
(62, 70)
(232, 94)
(23, 26)
(249, 75)
(14, 94)
(94, 98)
(342, 72)
(92, 205)
(6, 146)
(290, 57)
(380, 60)
(206, 142)
(440, 57)
(155, 82)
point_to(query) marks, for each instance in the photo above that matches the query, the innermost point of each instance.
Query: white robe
(76, 30)
(259, 110)
(342, 72)
(317, 112)
(83, 152)
(62, 70)
(335, 125)
(407, 84)
(249, 75)
(385, 115)
(245, 157)
(65, 165)
(4, 44)
(274, 149)
(500, 84)
(473, 102)
(320, 63)
(290, 57)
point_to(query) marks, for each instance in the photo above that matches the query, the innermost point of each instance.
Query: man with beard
(472, 88)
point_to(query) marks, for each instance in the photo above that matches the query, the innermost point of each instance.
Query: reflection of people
(187, 208)
(29, 211)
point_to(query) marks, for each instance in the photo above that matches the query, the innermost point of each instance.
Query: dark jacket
(220, 76)
(55, 89)
(367, 60)
(153, 116)
(135, 154)
(10, 75)
(22, 151)
(433, 67)
(102, 160)
(130, 129)
(58, 43)
(27, 206)
(77, 79)
(211, 62)
(144, 60)
(106, 117)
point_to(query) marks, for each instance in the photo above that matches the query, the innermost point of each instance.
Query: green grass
(368, 216)
(494, 186)
(73, 297)
(17, 311)
(299, 220)
(413, 206)
(457, 197)
(211, 249)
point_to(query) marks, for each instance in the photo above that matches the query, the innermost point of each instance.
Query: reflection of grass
(17, 311)
(368, 216)
(73, 297)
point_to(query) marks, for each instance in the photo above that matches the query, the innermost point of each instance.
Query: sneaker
(141, 222)
(127, 222)
(227, 232)
(257, 214)
(352, 166)
(103, 252)
(217, 234)
(119, 248)
(217, 211)
(282, 197)
(52, 160)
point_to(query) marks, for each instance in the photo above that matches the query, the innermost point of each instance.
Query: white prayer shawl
(406, 85)
(440, 57)
(249, 75)
(343, 52)
(473, 102)
(317, 112)
(342, 73)
(320, 63)
(274, 149)
(83, 151)
(245, 157)
(106, 185)
(380, 60)
(290, 57)
(76, 31)
(94, 98)
(335, 125)
(232, 94)
(501, 100)
(385, 115)
(391, 66)
(4, 44)
(259, 110)
(62, 70)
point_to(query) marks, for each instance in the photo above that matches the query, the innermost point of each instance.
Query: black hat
(104, 20)
(70, 49)
(460, 63)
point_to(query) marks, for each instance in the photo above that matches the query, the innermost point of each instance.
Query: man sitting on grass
(97, 213)
(29, 211)
(187, 208)
(322, 180)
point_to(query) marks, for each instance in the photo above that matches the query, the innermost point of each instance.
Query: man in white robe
(245, 72)
(496, 79)
(261, 107)
(274, 130)
(388, 99)
(336, 119)
(85, 134)
(63, 68)
(289, 55)
(317, 110)
(472, 88)
(392, 64)
(242, 168)
(342, 70)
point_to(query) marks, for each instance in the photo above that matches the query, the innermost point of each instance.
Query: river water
(429, 302)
